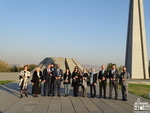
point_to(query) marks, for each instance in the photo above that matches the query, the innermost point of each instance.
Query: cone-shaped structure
(63, 62)
(136, 50)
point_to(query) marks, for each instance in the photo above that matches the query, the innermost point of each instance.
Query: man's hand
(32, 83)
(123, 79)
(103, 78)
(50, 74)
(44, 80)
(99, 80)
(94, 84)
(57, 77)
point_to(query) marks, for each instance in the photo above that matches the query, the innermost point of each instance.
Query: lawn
(6, 82)
(139, 89)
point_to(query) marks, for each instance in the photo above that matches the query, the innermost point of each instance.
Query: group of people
(53, 75)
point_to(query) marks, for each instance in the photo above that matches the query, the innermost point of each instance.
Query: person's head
(67, 70)
(37, 69)
(52, 65)
(92, 70)
(84, 70)
(113, 66)
(103, 67)
(76, 68)
(48, 66)
(58, 66)
(25, 67)
(124, 68)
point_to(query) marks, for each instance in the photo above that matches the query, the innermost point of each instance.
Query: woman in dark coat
(67, 77)
(76, 78)
(36, 82)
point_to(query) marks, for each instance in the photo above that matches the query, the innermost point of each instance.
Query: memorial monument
(63, 62)
(136, 49)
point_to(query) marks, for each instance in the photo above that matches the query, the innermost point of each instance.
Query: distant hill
(88, 67)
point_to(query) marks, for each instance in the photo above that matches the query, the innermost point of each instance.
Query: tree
(109, 66)
(14, 69)
(31, 67)
(4, 66)
(120, 69)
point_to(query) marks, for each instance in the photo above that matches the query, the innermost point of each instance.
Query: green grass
(6, 82)
(139, 89)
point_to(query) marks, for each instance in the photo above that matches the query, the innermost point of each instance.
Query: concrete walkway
(11, 103)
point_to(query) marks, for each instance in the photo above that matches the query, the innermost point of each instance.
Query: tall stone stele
(136, 49)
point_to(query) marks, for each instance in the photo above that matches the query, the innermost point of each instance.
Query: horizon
(92, 32)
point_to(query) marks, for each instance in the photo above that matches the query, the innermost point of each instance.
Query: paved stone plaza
(11, 103)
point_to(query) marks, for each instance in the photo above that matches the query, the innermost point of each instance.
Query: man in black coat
(58, 74)
(113, 77)
(47, 78)
(93, 82)
(53, 79)
(102, 77)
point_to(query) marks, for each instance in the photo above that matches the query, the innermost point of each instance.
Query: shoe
(116, 98)
(21, 96)
(124, 99)
(109, 98)
(58, 95)
(26, 95)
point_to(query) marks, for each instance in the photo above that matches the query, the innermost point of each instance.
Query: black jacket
(114, 75)
(46, 76)
(60, 74)
(69, 77)
(76, 81)
(94, 78)
(105, 75)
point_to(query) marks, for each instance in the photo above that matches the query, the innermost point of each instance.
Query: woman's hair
(68, 70)
(76, 67)
(38, 67)
(25, 66)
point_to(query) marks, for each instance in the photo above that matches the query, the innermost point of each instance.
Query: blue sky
(91, 31)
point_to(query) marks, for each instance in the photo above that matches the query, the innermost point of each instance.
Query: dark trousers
(52, 88)
(102, 86)
(124, 91)
(57, 84)
(115, 85)
(93, 87)
(75, 90)
(47, 87)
